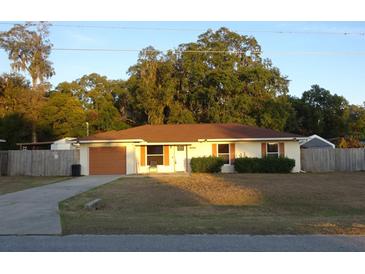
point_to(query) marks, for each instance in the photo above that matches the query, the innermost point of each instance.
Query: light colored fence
(42, 162)
(329, 159)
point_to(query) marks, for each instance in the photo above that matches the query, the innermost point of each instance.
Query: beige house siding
(197, 149)
(292, 150)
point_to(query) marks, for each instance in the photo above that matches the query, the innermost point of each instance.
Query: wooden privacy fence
(41, 162)
(333, 159)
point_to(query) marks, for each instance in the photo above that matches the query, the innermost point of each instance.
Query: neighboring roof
(35, 144)
(189, 133)
(65, 140)
(314, 141)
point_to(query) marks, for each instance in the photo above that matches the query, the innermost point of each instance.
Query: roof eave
(111, 141)
(199, 140)
(252, 139)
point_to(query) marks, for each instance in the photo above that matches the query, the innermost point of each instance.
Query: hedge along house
(169, 148)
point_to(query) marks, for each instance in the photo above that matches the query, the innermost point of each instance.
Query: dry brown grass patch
(214, 190)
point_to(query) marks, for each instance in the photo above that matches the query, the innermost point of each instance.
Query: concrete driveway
(35, 210)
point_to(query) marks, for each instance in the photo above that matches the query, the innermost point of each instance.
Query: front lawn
(16, 183)
(331, 203)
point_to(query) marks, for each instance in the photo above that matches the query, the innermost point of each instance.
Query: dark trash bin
(76, 170)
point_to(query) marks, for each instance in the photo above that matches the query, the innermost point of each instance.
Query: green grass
(332, 203)
(16, 183)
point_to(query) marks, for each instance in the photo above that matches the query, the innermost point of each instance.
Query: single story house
(315, 141)
(65, 144)
(169, 148)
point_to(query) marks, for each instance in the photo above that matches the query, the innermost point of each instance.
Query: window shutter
(263, 150)
(281, 150)
(232, 152)
(143, 156)
(166, 156)
(214, 150)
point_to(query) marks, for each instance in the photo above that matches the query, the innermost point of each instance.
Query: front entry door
(180, 158)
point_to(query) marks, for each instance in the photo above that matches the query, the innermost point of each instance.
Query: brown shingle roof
(189, 133)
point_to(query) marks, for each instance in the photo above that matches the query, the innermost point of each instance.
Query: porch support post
(187, 159)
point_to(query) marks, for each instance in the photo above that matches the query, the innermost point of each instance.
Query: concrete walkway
(35, 210)
(182, 243)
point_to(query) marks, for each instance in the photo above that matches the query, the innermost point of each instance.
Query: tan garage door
(107, 160)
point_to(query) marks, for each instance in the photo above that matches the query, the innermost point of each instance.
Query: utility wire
(289, 53)
(346, 33)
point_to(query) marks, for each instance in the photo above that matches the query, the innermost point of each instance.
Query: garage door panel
(107, 160)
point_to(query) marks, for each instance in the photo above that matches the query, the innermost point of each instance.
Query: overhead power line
(293, 53)
(346, 33)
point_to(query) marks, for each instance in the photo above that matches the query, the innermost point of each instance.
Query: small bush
(206, 164)
(264, 165)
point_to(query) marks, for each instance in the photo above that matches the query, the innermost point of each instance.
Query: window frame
(268, 154)
(225, 153)
(154, 155)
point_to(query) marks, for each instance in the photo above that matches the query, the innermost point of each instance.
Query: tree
(319, 112)
(223, 78)
(177, 114)
(95, 94)
(219, 78)
(14, 128)
(350, 142)
(14, 94)
(122, 100)
(152, 85)
(64, 116)
(323, 113)
(356, 121)
(28, 49)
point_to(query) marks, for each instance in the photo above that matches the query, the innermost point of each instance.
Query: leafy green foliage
(14, 128)
(97, 96)
(320, 112)
(64, 116)
(152, 84)
(203, 81)
(356, 121)
(14, 94)
(206, 164)
(264, 165)
(28, 49)
(349, 142)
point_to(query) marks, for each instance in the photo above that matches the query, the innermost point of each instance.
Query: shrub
(206, 164)
(264, 165)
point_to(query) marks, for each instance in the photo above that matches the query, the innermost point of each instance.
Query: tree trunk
(34, 133)
(34, 127)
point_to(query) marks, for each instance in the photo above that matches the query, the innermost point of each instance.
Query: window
(180, 148)
(223, 152)
(273, 150)
(154, 155)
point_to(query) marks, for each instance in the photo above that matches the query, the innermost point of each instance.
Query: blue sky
(344, 75)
